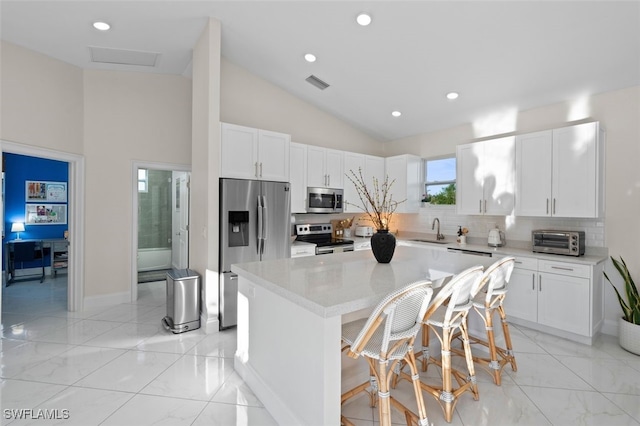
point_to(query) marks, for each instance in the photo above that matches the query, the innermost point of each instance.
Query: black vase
(383, 244)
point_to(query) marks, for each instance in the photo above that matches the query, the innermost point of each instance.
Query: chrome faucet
(439, 236)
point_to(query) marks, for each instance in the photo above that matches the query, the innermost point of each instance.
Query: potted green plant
(629, 323)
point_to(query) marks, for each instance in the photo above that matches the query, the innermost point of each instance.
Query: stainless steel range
(321, 234)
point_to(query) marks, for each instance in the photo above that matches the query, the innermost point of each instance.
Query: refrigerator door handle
(265, 220)
(260, 223)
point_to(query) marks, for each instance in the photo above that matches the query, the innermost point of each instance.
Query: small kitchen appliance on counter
(570, 243)
(364, 231)
(496, 238)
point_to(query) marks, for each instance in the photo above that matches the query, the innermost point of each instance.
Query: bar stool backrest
(495, 278)
(400, 313)
(457, 294)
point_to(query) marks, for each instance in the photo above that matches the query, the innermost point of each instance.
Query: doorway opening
(161, 222)
(75, 219)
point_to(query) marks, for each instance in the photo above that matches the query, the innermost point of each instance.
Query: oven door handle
(324, 250)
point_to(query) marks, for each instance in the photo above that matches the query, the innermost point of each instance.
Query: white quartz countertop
(337, 284)
(593, 255)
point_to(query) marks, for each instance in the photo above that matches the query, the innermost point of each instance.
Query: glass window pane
(441, 170)
(142, 174)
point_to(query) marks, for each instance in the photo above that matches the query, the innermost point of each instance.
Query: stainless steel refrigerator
(255, 225)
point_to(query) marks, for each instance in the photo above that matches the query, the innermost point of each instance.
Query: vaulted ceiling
(497, 55)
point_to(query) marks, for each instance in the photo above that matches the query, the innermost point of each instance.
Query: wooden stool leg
(425, 347)
(446, 395)
(494, 365)
(469, 358)
(507, 338)
(415, 377)
(384, 405)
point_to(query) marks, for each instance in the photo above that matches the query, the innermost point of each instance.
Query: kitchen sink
(431, 241)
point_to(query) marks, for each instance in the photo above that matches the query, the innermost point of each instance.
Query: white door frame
(134, 210)
(75, 277)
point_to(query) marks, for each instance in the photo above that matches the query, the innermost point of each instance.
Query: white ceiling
(498, 55)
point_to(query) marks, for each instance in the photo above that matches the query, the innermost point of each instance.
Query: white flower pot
(629, 336)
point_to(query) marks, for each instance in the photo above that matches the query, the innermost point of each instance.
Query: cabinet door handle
(329, 179)
(554, 206)
(547, 206)
(540, 283)
(256, 169)
(260, 169)
(480, 207)
(533, 281)
(485, 205)
(561, 268)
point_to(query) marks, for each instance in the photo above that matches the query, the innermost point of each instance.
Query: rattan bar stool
(384, 339)
(447, 313)
(489, 299)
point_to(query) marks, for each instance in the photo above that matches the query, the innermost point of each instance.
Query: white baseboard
(91, 302)
(210, 325)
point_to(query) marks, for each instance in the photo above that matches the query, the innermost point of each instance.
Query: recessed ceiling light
(363, 19)
(310, 57)
(396, 113)
(452, 95)
(102, 26)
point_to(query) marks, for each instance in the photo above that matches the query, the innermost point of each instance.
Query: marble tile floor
(118, 366)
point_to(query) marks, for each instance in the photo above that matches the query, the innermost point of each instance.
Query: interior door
(180, 241)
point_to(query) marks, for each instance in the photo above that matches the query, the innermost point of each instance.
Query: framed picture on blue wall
(45, 214)
(52, 192)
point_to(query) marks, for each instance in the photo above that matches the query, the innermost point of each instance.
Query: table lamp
(17, 227)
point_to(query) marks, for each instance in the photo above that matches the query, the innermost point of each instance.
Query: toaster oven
(570, 243)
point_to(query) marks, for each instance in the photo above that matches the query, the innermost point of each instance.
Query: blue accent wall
(17, 170)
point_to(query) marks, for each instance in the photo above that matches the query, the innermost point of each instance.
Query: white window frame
(437, 183)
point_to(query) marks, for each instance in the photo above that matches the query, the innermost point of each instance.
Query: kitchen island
(290, 313)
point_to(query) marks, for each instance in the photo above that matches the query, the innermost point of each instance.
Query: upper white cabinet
(485, 177)
(248, 153)
(371, 167)
(325, 167)
(560, 172)
(298, 174)
(407, 172)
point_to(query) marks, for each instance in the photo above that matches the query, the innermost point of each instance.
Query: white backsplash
(515, 228)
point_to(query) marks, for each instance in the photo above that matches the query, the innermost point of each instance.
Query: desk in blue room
(34, 253)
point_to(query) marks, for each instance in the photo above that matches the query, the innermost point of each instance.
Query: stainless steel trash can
(183, 301)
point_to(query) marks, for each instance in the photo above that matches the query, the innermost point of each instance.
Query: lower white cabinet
(302, 249)
(561, 296)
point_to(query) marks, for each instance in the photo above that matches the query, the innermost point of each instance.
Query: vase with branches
(376, 200)
(378, 204)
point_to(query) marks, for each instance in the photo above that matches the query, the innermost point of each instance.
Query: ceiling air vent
(123, 57)
(315, 81)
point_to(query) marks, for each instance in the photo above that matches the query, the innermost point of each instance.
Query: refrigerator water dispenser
(238, 228)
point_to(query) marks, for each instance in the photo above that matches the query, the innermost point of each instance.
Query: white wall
(619, 114)
(251, 101)
(128, 116)
(41, 100)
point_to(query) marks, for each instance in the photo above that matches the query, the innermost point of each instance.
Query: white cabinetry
(407, 172)
(559, 296)
(371, 167)
(325, 167)
(485, 177)
(560, 172)
(522, 294)
(298, 174)
(248, 153)
(302, 249)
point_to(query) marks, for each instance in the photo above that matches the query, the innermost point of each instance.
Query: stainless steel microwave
(570, 243)
(324, 200)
